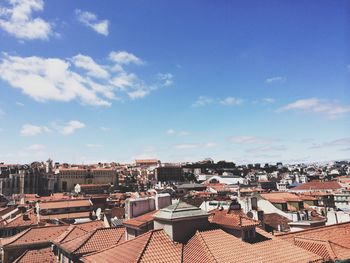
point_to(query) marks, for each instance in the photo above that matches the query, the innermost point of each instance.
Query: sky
(243, 81)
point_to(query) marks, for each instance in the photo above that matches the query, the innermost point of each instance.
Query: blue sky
(245, 81)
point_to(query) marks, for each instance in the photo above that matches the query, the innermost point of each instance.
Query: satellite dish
(250, 214)
(98, 213)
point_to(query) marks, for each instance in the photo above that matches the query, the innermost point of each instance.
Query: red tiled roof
(274, 220)
(315, 185)
(77, 230)
(37, 256)
(234, 219)
(141, 220)
(94, 241)
(324, 240)
(20, 221)
(65, 204)
(281, 197)
(34, 235)
(219, 246)
(153, 246)
(66, 215)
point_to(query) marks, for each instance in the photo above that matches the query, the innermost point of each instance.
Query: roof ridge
(119, 244)
(20, 234)
(314, 228)
(144, 248)
(202, 241)
(88, 236)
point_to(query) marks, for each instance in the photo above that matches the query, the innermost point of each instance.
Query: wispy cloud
(125, 58)
(268, 148)
(17, 20)
(205, 101)
(186, 146)
(249, 139)
(342, 142)
(179, 133)
(105, 129)
(32, 130)
(231, 101)
(268, 100)
(314, 105)
(71, 127)
(90, 20)
(93, 145)
(77, 78)
(202, 101)
(276, 79)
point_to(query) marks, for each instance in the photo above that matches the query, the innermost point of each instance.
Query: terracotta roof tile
(153, 246)
(94, 241)
(274, 220)
(324, 240)
(65, 204)
(316, 185)
(141, 220)
(77, 230)
(37, 256)
(234, 219)
(34, 235)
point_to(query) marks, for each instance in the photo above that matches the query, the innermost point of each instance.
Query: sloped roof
(331, 241)
(19, 221)
(316, 185)
(274, 219)
(34, 235)
(94, 241)
(37, 256)
(153, 246)
(180, 210)
(74, 231)
(232, 219)
(281, 197)
(65, 204)
(140, 221)
(219, 246)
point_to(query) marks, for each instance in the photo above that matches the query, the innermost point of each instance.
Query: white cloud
(170, 131)
(268, 100)
(105, 129)
(314, 105)
(88, 64)
(166, 78)
(174, 132)
(138, 94)
(90, 20)
(32, 130)
(93, 145)
(77, 78)
(202, 101)
(19, 104)
(71, 127)
(17, 20)
(231, 101)
(186, 146)
(183, 133)
(36, 147)
(277, 79)
(342, 142)
(248, 139)
(124, 58)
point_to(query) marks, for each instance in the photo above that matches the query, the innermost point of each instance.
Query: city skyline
(117, 81)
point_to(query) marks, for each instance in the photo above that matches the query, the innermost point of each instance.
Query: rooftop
(180, 210)
(316, 185)
(65, 204)
(153, 246)
(37, 256)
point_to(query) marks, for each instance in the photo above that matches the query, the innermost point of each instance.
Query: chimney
(25, 217)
